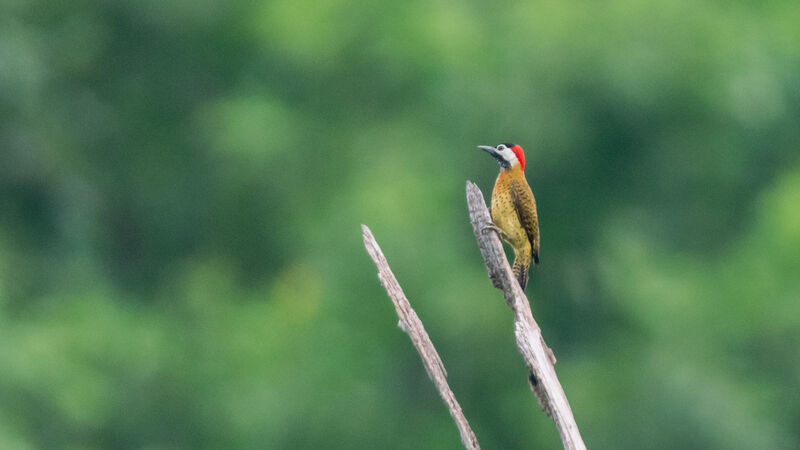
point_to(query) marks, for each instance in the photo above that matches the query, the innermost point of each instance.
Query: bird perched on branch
(514, 208)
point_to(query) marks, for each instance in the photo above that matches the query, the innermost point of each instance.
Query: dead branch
(537, 355)
(410, 323)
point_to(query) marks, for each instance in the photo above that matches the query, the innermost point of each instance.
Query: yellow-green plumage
(514, 213)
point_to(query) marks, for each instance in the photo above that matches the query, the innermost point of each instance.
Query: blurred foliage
(182, 183)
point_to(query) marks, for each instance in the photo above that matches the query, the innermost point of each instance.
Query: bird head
(506, 154)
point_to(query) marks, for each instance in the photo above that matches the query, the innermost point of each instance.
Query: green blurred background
(182, 185)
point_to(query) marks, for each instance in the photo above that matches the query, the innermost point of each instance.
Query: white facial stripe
(507, 154)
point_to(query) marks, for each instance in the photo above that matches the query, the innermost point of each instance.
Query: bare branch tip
(409, 322)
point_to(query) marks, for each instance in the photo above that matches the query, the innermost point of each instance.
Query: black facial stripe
(503, 163)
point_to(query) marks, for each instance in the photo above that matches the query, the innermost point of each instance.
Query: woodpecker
(514, 208)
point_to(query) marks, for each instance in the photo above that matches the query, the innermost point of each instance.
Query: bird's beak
(492, 151)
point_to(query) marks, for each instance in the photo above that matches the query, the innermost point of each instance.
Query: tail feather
(521, 272)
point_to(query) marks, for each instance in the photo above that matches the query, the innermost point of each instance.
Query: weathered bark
(410, 323)
(537, 355)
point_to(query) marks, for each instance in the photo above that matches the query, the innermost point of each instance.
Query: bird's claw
(491, 228)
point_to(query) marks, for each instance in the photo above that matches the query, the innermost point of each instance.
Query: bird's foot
(492, 228)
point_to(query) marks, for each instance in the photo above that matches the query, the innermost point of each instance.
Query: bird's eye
(501, 147)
